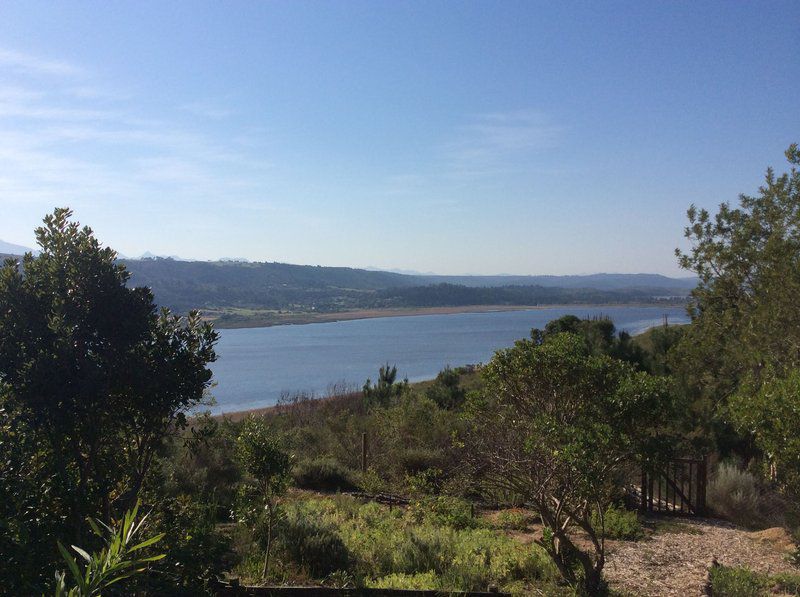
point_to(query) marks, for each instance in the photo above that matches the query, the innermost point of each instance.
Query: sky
(448, 137)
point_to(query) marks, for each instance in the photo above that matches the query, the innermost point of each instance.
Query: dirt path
(676, 562)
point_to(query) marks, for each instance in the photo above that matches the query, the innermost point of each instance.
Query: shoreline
(272, 320)
(238, 415)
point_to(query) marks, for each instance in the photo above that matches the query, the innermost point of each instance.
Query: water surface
(257, 365)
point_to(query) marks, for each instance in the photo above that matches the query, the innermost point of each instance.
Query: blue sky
(452, 137)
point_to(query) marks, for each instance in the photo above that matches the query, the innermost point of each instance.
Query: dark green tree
(446, 391)
(387, 388)
(93, 377)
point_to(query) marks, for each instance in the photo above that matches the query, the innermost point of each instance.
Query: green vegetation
(426, 546)
(113, 563)
(556, 425)
(741, 582)
(98, 412)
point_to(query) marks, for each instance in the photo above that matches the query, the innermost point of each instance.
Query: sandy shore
(273, 319)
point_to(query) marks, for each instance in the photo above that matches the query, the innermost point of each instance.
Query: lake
(256, 366)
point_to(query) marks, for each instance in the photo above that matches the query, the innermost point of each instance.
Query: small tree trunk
(269, 541)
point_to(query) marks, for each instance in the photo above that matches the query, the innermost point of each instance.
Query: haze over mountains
(241, 285)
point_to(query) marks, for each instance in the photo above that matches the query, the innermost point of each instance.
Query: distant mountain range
(12, 249)
(235, 284)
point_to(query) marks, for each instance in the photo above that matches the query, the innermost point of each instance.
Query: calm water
(257, 365)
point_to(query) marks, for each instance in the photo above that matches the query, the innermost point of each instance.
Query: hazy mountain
(597, 281)
(205, 284)
(12, 249)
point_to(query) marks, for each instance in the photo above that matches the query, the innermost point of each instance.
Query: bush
(323, 474)
(443, 511)
(416, 460)
(196, 552)
(741, 582)
(312, 544)
(515, 519)
(736, 582)
(736, 495)
(621, 524)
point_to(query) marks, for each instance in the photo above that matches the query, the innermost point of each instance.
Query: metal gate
(677, 487)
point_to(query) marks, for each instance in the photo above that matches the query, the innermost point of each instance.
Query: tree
(269, 466)
(386, 388)
(599, 334)
(556, 426)
(745, 310)
(445, 391)
(95, 376)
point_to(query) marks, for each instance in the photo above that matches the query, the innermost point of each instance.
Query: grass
(742, 582)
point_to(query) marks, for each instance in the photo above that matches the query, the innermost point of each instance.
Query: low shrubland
(430, 545)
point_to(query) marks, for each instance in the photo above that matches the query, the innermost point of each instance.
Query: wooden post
(702, 476)
(643, 492)
(364, 453)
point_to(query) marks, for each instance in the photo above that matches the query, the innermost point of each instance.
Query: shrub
(736, 495)
(312, 544)
(514, 519)
(443, 511)
(736, 582)
(415, 460)
(621, 524)
(323, 474)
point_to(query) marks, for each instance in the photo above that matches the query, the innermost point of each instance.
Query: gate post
(702, 479)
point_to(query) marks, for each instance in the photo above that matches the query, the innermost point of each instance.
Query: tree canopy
(745, 329)
(92, 380)
(555, 426)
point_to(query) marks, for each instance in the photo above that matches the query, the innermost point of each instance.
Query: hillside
(224, 286)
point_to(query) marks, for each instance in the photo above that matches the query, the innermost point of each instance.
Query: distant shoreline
(270, 320)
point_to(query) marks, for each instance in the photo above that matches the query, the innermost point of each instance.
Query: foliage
(769, 415)
(445, 390)
(312, 544)
(599, 334)
(443, 511)
(324, 474)
(618, 523)
(557, 425)
(92, 381)
(514, 519)
(737, 495)
(270, 467)
(197, 553)
(395, 548)
(742, 582)
(745, 327)
(113, 563)
(385, 389)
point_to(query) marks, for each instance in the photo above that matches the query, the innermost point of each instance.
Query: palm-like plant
(111, 564)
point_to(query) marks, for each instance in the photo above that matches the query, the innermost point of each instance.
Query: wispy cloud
(491, 148)
(33, 65)
(64, 137)
(498, 140)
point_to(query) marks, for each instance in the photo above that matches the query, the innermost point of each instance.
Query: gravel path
(676, 563)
